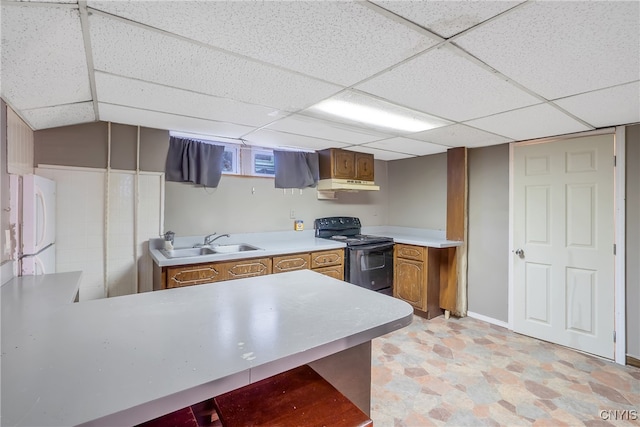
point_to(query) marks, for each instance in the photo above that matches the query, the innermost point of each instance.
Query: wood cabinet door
(335, 271)
(327, 258)
(247, 268)
(409, 283)
(291, 262)
(194, 275)
(364, 166)
(344, 166)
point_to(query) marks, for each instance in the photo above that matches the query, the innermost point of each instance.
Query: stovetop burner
(347, 230)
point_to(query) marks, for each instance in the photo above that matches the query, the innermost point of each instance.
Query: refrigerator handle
(41, 202)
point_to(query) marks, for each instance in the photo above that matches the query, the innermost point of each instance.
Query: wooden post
(453, 278)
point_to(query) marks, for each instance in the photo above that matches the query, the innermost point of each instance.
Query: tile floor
(465, 372)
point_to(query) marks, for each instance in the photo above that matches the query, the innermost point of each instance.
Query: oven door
(371, 266)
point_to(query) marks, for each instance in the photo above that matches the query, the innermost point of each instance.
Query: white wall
(246, 204)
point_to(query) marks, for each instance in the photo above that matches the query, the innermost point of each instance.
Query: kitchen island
(125, 360)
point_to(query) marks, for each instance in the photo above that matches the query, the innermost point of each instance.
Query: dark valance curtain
(194, 161)
(296, 169)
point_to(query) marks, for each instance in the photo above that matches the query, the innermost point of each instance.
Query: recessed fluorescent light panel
(356, 108)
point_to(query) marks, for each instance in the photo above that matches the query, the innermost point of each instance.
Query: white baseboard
(488, 319)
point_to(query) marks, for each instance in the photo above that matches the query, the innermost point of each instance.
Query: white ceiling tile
(341, 42)
(159, 120)
(530, 123)
(562, 48)
(60, 115)
(43, 57)
(408, 146)
(445, 84)
(309, 126)
(447, 18)
(608, 107)
(148, 96)
(159, 58)
(270, 138)
(381, 154)
(460, 136)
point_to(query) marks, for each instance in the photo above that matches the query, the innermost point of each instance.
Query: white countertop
(124, 360)
(270, 244)
(413, 236)
(288, 242)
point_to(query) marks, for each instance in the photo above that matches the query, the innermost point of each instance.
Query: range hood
(335, 184)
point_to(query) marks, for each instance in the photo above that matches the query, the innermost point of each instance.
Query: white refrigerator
(38, 228)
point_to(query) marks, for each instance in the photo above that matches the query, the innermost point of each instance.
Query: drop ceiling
(491, 71)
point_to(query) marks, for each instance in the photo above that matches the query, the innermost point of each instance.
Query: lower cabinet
(335, 271)
(196, 274)
(416, 273)
(247, 268)
(330, 263)
(292, 262)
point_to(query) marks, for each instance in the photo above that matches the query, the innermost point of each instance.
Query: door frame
(619, 230)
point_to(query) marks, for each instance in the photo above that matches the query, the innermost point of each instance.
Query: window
(230, 160)
(262, 163)
(239, 159)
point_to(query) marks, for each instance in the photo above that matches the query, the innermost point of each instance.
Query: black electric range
(368, 259)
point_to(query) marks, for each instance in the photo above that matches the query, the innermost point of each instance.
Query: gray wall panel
(418, 192)
(488, 246)
(123, 146)
(81, 145)
(633, 241)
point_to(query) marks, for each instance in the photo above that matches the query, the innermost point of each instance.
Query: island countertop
(124, 360)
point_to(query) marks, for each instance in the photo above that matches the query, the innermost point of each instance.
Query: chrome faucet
(210, 241)
(207, 239)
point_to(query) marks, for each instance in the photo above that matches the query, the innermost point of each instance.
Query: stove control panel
(337, 223)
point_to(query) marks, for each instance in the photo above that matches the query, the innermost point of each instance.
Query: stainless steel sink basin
(241, 247)
(187, 252)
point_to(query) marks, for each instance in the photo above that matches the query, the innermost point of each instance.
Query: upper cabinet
(364, 166)
(343, 164)
(344, 170)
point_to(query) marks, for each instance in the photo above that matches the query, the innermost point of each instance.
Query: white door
(563, 235)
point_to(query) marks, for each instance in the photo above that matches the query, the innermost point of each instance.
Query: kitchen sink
(187, 252)
(241, 247)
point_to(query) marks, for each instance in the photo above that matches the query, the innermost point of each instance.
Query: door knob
(519, 252)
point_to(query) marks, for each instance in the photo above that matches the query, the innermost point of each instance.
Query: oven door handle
(373, 247)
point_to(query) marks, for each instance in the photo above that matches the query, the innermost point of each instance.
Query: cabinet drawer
(335, 271)
(410, 252)
(291, 262)
(327, 258)
(247, 268)
(194, 275)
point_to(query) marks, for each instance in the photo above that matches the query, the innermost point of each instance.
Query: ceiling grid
(494, 71)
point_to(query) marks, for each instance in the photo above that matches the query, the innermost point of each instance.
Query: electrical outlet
(292, 214)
